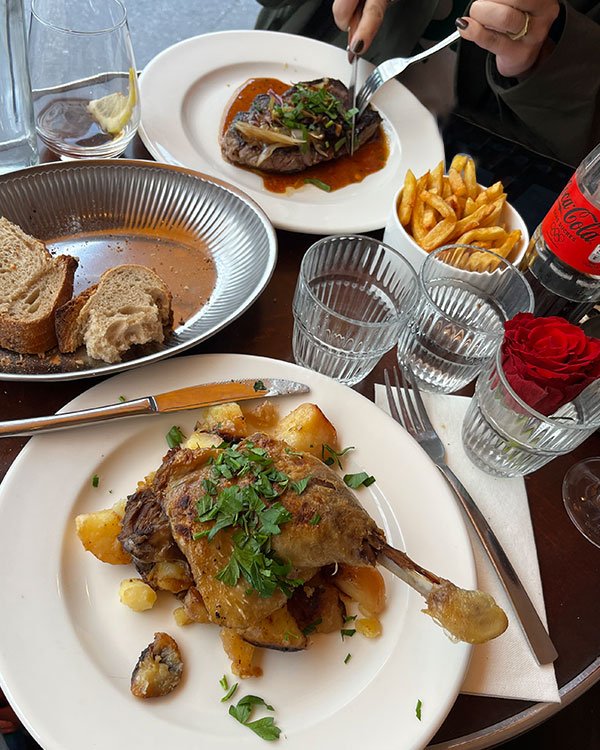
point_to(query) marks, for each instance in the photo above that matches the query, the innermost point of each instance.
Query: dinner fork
(413, 417)
(391, 68)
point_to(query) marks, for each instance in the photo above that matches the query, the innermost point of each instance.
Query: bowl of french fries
(452, 208)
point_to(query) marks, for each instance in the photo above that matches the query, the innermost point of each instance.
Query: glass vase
(505, 437)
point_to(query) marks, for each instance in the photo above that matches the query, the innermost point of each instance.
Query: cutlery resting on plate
(193, 397)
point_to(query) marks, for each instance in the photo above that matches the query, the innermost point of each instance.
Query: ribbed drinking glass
(353, 296)
(458, 324)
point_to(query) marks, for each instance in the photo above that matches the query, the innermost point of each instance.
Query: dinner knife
(193, 397)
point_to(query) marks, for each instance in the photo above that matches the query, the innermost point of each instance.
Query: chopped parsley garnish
(254, 522)
(318, 183)
(418, 709)
(300, 485)
(312, 626)
(349, 618)
(95, 480)
(174, 437)
(315, 519)
(259, 386)
(356, 480)
(230, 692)
(347, 659)
(330, 456)
(265, 728)
(347, 633)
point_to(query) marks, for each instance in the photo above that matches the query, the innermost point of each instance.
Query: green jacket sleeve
(559, 103)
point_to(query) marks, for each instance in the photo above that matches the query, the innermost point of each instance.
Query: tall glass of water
(353, 296)
(18, 142)
(83, 76)
(459, 322)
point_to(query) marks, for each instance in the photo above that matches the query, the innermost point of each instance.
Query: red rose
(548, 361)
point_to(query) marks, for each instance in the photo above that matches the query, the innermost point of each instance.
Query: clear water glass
(18, 141)
(505, 437)
(458, 324)
(83, 75)
(353, 296)
(581, 496)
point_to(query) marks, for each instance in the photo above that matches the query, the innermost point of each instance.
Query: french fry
(407, 201)
(446, 188)
(494, 217)
(417, 227)
(470, 206)
(482, 233)
(458, 162)
(436, 179)
(490, 194)
(482, 262)
(457, 183)
(439, 204)
(437, 236)
(470, 178)
(511, 240)
(468, 223)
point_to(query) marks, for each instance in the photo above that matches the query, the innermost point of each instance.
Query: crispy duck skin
(345, 533)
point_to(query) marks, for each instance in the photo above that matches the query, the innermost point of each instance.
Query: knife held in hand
(193, 397)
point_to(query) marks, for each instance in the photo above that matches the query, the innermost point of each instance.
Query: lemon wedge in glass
(113, 112)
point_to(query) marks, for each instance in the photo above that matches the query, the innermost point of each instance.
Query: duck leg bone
(470, 616)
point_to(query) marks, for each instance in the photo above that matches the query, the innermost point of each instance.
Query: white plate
(69, 646)
(185, 90)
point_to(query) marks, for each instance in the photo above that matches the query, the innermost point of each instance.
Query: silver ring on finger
(523, 32)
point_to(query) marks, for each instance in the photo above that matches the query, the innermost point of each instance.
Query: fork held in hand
(413, 417)
(392, 68)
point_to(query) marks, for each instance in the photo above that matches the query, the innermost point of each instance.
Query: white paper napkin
(504, 667)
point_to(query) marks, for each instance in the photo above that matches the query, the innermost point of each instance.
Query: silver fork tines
(412, 415)
(392, 68)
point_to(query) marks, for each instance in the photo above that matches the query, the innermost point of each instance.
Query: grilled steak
(308, 124)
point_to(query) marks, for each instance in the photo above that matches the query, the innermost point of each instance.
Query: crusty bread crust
(34, 285)
(129, 305)
(66, 321)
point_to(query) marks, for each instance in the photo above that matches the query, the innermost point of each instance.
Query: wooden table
(570, 566)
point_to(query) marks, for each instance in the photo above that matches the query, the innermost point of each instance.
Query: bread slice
(33, 284)
(129, 305)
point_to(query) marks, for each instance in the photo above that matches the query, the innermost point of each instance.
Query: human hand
(491, 21)
(362, 25)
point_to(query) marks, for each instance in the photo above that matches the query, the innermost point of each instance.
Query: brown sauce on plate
(338, 173)
(184, 264)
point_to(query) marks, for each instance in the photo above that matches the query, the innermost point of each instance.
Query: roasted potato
(170, 575)
(98, 533)
(306, 429)
(136, 594)
(364, 585)
(226, 420)
(241, 654)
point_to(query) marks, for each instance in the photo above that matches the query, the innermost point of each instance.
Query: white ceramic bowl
(396, 236)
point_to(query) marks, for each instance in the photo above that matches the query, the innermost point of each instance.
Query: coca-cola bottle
(562, 263)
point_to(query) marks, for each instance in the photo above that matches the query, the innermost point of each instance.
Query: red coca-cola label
(571, 230)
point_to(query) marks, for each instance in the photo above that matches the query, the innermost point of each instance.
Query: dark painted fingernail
(357, 47)
(461, 23)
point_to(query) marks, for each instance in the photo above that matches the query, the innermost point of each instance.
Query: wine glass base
(581, 497)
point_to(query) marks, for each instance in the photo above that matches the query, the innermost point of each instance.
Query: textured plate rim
(180, 347)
